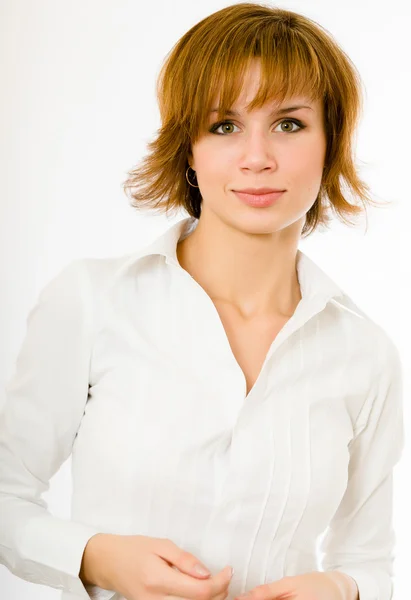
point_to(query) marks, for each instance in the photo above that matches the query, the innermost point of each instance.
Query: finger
(219, 597)
(185, 561)
(181, 585)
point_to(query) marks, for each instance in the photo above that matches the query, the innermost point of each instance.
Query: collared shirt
(126, 367)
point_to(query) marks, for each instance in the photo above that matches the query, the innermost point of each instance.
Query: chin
(260, 221)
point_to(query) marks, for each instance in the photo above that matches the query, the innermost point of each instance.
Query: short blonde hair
(298, 57)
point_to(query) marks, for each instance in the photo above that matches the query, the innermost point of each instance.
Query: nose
(258, 151)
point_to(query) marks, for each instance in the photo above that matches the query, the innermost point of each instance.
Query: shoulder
(101, 272)
(365, 334)
(94, 274)
(79, 287)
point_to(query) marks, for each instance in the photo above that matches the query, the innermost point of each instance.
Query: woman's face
(260, 149)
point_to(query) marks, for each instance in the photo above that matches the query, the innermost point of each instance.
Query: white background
(78, 107)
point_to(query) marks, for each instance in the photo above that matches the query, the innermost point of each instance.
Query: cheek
(305, 164)
(214, 173)
(211, 163)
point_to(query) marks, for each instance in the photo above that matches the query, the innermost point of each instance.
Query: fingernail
(232, 572)
(201, 570)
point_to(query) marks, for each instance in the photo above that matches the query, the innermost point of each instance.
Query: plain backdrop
(78, 107)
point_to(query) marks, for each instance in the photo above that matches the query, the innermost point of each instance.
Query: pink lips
(260, 199)
(257, 191)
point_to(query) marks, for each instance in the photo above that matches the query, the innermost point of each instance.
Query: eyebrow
(280, 111)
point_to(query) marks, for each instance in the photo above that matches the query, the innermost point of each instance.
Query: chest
(250, 340)
(164, 415)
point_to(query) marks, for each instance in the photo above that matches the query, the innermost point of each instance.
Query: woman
(223, 400)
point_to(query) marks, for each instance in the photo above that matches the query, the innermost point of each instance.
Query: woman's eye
(289, 128)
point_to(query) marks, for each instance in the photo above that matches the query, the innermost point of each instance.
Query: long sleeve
(360, 540)
(45, 401)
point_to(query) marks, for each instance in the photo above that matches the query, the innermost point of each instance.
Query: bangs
(288, 68)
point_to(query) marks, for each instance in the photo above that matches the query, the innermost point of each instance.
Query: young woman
(223, 400)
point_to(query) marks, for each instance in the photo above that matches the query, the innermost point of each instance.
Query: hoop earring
(197, 186)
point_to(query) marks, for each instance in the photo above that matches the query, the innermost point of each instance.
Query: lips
(259, 200)
(258, 191)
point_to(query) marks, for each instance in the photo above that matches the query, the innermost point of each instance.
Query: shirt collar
(315, 284)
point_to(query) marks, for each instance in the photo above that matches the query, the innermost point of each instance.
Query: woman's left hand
(316, 585)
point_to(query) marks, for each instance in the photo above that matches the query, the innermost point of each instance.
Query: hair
(298, 57)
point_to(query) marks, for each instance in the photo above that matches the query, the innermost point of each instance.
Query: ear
(190, 159)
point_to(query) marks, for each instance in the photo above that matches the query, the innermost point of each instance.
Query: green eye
(300, 125)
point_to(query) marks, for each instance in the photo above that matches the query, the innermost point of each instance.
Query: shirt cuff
(54, 548)
(98, 593)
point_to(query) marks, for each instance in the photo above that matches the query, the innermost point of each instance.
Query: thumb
(222, 578)
(182, 561)
(187, 563)
(192, 566)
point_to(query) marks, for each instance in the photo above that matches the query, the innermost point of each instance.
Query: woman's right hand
(147, 568)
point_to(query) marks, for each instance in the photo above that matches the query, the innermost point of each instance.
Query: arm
(360, 540)
(45, 400)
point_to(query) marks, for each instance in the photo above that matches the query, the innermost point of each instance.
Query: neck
(253, 273)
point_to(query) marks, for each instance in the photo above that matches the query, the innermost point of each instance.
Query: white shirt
(126, 367)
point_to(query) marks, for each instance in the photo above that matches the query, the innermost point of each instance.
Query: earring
(197, 186)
